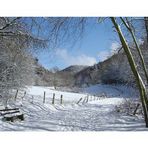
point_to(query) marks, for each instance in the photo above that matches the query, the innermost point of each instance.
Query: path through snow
(98, 115)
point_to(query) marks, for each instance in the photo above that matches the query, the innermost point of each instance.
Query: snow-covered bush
(130, 107)
(16, 63)
(16, 71)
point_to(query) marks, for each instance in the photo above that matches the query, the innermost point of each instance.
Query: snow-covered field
(98, 114)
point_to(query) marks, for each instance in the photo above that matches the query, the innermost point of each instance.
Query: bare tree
(16, 71)
(146, 26)
(16, 63)
(141, 86)
(128, 25)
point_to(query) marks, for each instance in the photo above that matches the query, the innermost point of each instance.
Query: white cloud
(103, 55)
(114, 47)
(75, 60)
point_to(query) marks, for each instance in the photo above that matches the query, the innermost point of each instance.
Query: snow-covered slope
(74, 68)
(67, 96)
(111, 90)
(98, 114)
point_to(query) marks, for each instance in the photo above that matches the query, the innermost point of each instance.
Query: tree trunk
(146, 26)
(137, 47)
(131, 61)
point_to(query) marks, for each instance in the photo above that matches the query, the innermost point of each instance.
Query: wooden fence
(60, 99)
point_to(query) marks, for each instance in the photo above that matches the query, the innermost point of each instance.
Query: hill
(74, 69)
(114, 70)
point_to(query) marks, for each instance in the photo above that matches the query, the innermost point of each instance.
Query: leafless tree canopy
(20, 34)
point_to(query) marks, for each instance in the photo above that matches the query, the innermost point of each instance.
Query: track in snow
(93, 116)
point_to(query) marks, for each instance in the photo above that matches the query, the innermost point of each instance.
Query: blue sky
(96, 45)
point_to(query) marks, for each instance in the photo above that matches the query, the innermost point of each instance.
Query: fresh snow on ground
(98, 114)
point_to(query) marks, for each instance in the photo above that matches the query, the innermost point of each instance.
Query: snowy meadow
(92, 109)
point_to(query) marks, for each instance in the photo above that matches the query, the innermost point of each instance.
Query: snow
(98, 114)
(112, 90)
(67, 96)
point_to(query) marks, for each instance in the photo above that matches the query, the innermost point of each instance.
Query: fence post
(79, 101)
(90, 98)
(94, 97)
(134, 113)
(84, 100)
(61, 101)
(53, 98)
(24, 94)
(16, 94)
(32, 99)
(87, 98)
(44, 97)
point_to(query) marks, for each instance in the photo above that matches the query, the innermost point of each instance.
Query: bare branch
(10, 23)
